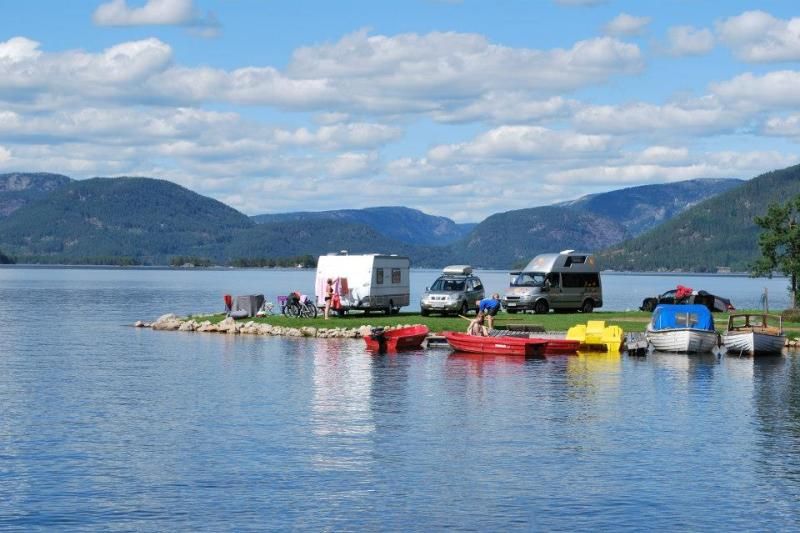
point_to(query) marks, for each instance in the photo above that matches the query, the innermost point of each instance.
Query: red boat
(391, 340)
(559, 346)
(496, 345)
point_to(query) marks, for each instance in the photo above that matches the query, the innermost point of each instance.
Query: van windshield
(528, 279)
(444, 284)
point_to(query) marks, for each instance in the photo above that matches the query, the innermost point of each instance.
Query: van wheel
(588, 306)
(424, 312)
(511, 311)
(464, 308)
(541, 307)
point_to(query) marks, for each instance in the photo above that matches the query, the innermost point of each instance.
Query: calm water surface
(104, 426)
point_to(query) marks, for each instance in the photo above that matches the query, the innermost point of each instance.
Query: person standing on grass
(489, 308)
(328, 297)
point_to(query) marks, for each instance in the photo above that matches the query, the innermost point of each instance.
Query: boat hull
(683, 340)
(753, 343)
(393, 340)
(559, 346)
(518, 346)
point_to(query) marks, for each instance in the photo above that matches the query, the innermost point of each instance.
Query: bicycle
(300, 308)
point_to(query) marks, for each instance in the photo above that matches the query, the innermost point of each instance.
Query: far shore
(293, 269)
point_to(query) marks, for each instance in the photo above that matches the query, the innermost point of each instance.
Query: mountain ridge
(137, 220)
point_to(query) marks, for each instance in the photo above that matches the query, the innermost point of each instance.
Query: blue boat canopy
(682, 316)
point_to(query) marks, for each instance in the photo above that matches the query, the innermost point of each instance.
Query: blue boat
(682, 328)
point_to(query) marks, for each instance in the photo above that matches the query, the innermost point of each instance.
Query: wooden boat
(682, 328)
(754, 333)
(392, 340)
(520, 346)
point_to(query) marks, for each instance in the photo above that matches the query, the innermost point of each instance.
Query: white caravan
(368, 282)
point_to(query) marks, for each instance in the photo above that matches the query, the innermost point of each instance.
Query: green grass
(631, 321)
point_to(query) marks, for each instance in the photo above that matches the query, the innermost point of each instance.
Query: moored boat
(390, 340)
(682, 328)
(754, 333)
(520, 346)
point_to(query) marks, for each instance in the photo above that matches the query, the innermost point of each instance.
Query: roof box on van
(461, 270)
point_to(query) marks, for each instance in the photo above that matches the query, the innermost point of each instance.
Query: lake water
(104, 426)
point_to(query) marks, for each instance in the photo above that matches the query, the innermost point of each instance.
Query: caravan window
(395, 275)
(379, 276)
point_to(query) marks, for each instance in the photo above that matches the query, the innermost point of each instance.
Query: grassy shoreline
(629, 321)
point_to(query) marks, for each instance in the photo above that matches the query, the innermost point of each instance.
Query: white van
(566, 281)
(368, 282)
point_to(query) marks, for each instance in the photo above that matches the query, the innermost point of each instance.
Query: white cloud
(448, 75)
(380, 72)
(758, 37)
(788, 126)
(689, 41)
(155, 13)
(723, 164)
(352, 135)
(508, 108)
(5, 154)
(695, 116)
(662, 155)
(352, 164)
(625, 24)
(778, 89)
(524, 142)
(19, 49)
(119, 69)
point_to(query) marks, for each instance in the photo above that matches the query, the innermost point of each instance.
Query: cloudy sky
(457, 108)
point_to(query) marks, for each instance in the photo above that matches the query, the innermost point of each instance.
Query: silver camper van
(566, 281)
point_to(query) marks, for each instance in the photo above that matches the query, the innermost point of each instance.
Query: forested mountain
(149, 221)
(401, 224)
(511, 239)
(21, 188)
(641, 208)
(145, 219)
(718, 232)
(589, 223)
(4, 259)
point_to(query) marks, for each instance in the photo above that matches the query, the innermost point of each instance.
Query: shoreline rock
(171, 322)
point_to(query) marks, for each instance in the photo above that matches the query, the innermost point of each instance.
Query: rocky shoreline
(171, 322)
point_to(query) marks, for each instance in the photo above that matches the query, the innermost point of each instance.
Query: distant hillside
(149, 221)
(141, 218)
(589, 223)
(21, 188)
(397, 223)
(511, 239)
(719, 232)
(642, 208)
(318, 237)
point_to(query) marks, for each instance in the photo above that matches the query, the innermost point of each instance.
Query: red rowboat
(559, 346)
(496, 345)
(391, 340)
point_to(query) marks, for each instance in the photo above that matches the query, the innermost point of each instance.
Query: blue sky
(457, 108)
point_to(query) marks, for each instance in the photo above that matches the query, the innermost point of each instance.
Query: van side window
(395, 275)
(581, 280)
(379, 276)
(476, 284)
